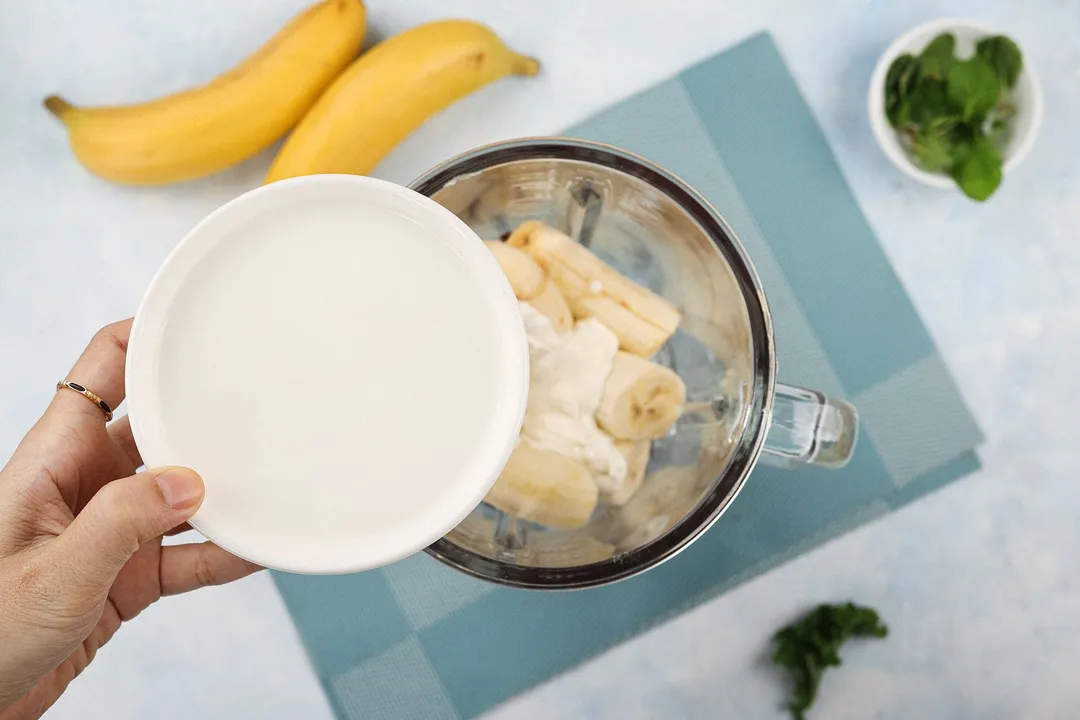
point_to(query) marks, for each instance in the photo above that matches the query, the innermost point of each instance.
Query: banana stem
(525, 65)
(58, 106)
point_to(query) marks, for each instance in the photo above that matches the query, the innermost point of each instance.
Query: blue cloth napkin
(418, 640)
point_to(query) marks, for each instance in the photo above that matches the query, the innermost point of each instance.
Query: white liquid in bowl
(338, 365)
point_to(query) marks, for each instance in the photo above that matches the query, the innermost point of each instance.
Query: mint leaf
(944, 124)
(973, 88)
(978, 168)
(951, 115)
(937, 57)
(899, 81)
(807, 647)
(1003, 56)
(933, 147)
(929, 100)
(934, 152)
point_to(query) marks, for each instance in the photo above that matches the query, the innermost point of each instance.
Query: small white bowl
(344, 363)
(1027, 96)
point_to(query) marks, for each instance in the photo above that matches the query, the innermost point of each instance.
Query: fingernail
(181, 488)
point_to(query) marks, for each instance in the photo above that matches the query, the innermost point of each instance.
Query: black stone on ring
(89, 395)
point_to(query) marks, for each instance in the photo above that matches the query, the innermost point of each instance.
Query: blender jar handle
(809, 428)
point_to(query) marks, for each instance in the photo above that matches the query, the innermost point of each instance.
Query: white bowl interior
(1026, 94)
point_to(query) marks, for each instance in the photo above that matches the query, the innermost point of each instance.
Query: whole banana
(389, 91)
(200, 131)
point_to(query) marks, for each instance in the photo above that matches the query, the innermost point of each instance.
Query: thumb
(125, 514)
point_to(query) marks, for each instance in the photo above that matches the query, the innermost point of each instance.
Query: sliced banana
(525, 276)
(636, 453)
(635, 335)
(545, 487)
(671, 493)
(642, 319)
(551, 303)
(641, 399)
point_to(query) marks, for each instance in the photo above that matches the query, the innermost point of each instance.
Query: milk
(343, 376)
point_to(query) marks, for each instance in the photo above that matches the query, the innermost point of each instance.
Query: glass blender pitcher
(659, 232)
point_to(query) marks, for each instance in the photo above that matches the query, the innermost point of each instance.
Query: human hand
(80, 536)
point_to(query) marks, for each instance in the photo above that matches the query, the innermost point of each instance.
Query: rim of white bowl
(880, 126)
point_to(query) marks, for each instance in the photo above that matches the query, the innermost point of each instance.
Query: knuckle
(111, 497)
(111, 336)
(135, 509)
(205, 573)
(20, 509)
(119, 516)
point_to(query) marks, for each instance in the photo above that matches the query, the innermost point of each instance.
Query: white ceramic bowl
(1027, 96)
(342, 360)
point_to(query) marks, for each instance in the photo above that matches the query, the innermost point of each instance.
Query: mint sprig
(953, 115)
(810, 645)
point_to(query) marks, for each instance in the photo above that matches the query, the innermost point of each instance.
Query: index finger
(100, 369)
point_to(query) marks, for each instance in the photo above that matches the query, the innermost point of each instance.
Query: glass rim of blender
(730, 481)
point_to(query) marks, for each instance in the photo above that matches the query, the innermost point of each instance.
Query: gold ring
(93, 397)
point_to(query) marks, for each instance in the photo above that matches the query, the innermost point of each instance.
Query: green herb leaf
(1003, 56)
(807, 647)
(978, 168)
(944, 124)
(933, 151)
(932, 143)
(973, 88)
(937, 57)
(953, 115)
(903, 75)
(929, 100)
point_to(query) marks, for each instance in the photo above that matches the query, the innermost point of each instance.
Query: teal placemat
(419, 641)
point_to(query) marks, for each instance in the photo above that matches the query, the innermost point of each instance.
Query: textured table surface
(980, 582)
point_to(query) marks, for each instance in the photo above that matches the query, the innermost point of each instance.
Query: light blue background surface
(980, 582)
